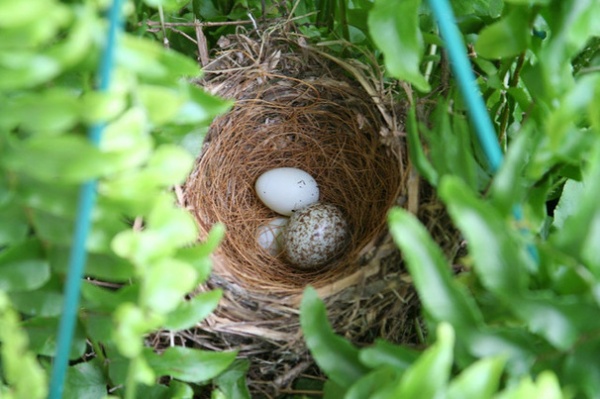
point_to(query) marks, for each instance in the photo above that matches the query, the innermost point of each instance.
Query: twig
(196, 23)
(202, 46)
(162, 25)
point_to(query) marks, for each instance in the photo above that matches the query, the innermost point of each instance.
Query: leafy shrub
(522, 320)
(136, 277)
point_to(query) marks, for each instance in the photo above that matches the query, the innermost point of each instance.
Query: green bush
(521, 321)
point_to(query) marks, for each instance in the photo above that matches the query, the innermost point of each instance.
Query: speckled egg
(315, 235)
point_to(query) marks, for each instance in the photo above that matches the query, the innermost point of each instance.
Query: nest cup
(319, 125)
(295, 108)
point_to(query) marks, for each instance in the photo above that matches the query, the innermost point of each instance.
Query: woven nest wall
(298, 107)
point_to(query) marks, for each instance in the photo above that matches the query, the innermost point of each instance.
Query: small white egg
(315, 235)
(270, 235)
(285, 190)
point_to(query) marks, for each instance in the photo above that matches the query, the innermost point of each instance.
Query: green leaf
(175, 390)
(581, 368)
(85, 381)
(193, 311)
(448, 142)
(168, 165)
(20, 369)
(132, 324)
(518, 346)
(72, 158)
(103, 266)
(509, 185)
(507, 37)
(394, 27)
(415, 149)
(579, 234)
(108, 299)
(201, 107)
(383, 353)
(375, 381)
(149, 60)
(189, 365)
(46, 301)
(501, 261)
(478, 381)
(22, 267)
(546, 386)
(14, 226)
(42, 337)
(569, 202)
(162, 103)
(528, 2)
(15, 13)
(443, 298)
(334, 355)
(428, 377)
(51, 112)
(25, 70)
(165, 283)
(562, 321)
(232, 382)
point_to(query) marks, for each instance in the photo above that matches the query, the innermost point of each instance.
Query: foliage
(49, 51)
(521, 320)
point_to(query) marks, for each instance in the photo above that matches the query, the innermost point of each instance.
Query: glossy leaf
(201, 107)
(569, 202)
(131, 324)
(232, 382)
(546, 385)
(394, 27)
(193, 311)
(579, 234)
(165, 283)
(14, 226)
(415, 149)
(23, 268)
(443, 298)
(370, 384)
(85, 381)
(507, 37)
(383, 353)
(501, 261)
(42, 337)
(334, 355)
(189, 365)
(508, 187)
(428, 376)
(562, 321)
(479, 381)
(27, 379)
(46, 301)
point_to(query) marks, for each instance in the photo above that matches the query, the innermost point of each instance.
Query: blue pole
(461, 67)
(87, 200)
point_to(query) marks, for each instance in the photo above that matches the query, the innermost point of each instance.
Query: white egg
(315, 235)
(285, 190)
(270, 235)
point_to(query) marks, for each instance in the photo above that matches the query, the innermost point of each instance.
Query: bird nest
(297, 106)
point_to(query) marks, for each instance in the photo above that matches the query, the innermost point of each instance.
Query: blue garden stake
(87, 199)
(466, 82)
(470, 92)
